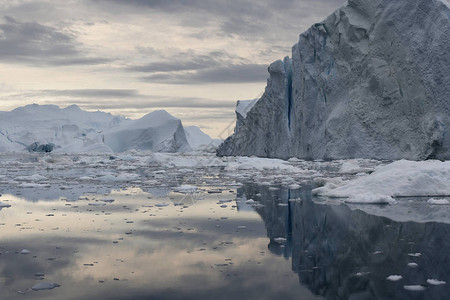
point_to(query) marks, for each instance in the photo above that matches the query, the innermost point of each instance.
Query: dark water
(212, 246)
(340, 253)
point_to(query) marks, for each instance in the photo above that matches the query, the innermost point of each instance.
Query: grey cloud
(159, 101)
(34, 43)
(93, 93)
(240, 73)
(244, 18)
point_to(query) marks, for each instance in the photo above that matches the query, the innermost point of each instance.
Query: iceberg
(370, 81)
(49, 128)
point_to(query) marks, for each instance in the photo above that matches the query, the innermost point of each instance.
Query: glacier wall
(370, 81)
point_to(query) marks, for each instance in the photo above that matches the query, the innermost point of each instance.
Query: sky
(193, 58)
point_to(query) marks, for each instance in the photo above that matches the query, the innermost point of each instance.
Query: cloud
(34, 43)
(93, 93)
(233, 73)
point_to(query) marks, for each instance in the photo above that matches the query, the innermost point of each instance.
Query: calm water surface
(142, 239)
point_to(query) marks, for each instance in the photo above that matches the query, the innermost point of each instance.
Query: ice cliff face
(157, 131)
(370, 81)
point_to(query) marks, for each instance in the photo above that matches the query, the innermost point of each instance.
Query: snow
(438, 201)
(399, 179)
(394, 277)
(244, 106)
(370, 199)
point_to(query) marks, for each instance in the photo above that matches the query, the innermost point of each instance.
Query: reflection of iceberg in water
(341, 253)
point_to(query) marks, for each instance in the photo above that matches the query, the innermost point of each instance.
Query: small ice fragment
(25, 251)
(97, 204)
(415, 254)
(4, 205)
(377, 252)
(414, 288)
(186, 189)
(435, 282)
(250, 201)
(438, 201)
(413, 265)
(283, 204)
(241, 227)
(294, 186)
(161, 205)
(295, 200)
(359, 274)
(279, 240)
(108, 200)
(44, 286)
(394, 277)
(39, 274)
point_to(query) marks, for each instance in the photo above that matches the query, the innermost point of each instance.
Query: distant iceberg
(49, 128)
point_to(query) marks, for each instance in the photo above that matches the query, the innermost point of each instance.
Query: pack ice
(49, 128)
(370, 81)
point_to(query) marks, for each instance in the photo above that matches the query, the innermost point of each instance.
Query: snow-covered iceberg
(198, 140)
(157, 131)
(370, 81)
(49, 128)
(399, 179)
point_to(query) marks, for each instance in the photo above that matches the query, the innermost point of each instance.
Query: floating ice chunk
(161, 205)
(294, 186)
(97, 204)
(400, 178)
(414, 254)
(438, 201)
(4, 205)
(412, 265)
(359, 274)
(250, 201)
(435, 282)
(350, 166)
(107, 200)
(44, 286)
(242, 227)
(394, 277)
(186, 188)
(25, 251)
(283, 204)
(279, 240)
(414, 288)
(35, 177)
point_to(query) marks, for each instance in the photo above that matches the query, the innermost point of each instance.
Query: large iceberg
(370, 81)
(49, 128)
(157, 131)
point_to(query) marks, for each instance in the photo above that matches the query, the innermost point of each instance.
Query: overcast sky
(194, 58)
